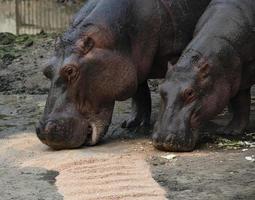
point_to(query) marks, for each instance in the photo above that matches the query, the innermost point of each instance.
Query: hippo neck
(134, 26)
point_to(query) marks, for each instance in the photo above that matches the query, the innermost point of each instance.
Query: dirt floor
(125, 165)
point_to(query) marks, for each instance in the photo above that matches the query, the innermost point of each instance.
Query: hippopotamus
(108, 53)
(216, 69)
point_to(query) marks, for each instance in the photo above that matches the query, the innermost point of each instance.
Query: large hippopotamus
(110, 50)
(216, 69)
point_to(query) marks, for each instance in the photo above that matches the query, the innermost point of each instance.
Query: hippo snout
(175, 141)
(63, 133)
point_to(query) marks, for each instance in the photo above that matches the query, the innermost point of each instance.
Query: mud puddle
(28, 184)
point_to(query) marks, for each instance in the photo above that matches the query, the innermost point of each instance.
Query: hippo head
(190, 94)
(87, 76)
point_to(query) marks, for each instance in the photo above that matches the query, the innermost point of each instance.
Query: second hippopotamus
(216, 69)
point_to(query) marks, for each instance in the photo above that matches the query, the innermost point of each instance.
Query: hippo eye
(189, 95)
(195, 59)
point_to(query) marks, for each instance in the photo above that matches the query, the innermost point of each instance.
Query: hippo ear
(109, 76)
(204, 70)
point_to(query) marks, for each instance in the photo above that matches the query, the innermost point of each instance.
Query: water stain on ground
(28, 183)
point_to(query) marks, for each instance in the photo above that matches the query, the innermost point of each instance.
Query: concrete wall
(33, 16)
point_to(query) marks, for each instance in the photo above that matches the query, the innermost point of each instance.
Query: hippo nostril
(89, 134)
(90, 129)
(157, 140)
(49, 127)
(170, 139)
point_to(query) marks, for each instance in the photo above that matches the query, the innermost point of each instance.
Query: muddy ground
(125, 165)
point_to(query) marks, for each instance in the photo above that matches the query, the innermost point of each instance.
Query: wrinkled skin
(108, 53)
(216, 69)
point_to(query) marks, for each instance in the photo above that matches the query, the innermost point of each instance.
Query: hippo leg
(240, 106)
(141, 108)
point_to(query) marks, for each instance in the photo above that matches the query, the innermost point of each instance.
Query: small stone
(2, 65)
(250, 158)
(29, 43)
(7, 38)
(169, 156)
(161, 162)
(250, 144)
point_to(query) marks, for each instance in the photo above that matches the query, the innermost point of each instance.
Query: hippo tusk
(94, 135)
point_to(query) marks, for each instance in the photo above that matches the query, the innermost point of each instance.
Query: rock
(2, 65)
(169, 156)
(29, 43)
(7, 38)
(7, 59)
(250, 158)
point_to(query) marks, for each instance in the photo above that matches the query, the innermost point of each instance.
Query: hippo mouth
(58, 136)
(175, 143)
(63, 133)
(177, 128)
(178, 140)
